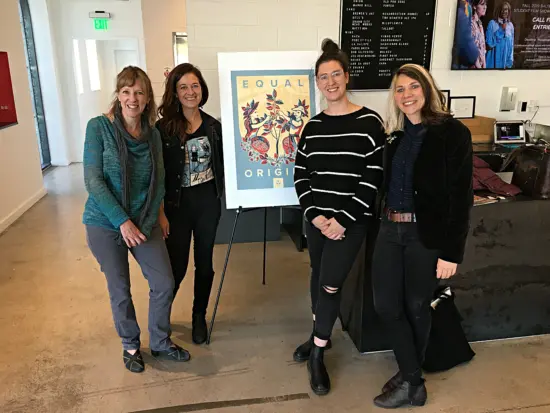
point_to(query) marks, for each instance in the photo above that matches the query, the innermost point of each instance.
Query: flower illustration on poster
(271, 110)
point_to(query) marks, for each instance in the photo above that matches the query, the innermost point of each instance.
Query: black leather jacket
(174, 158)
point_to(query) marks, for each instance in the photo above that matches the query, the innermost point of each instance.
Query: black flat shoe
(392, 383)
(175, 353)
(200, 330)
(303, 351)
(403, 395)
(133, 362)
(319, 379)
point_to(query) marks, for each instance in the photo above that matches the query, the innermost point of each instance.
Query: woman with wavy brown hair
(193, 159)
(124, 177)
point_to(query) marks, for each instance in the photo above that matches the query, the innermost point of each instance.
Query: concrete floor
(61, 353)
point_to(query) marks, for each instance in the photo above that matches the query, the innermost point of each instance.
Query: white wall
(69, 20)
(107, 51)
(158, 24)
(248, 25)
(21, 183)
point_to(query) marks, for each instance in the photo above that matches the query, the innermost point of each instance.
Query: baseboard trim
(21, 209)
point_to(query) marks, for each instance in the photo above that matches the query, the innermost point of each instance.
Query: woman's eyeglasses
(336, 75)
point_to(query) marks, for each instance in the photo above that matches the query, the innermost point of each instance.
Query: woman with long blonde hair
(426, 200)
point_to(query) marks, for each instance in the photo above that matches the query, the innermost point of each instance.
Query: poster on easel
(266, 100)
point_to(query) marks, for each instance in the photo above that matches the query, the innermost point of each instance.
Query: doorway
(34, 79)
(96, 64)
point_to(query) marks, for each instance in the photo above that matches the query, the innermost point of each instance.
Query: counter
(502, 287)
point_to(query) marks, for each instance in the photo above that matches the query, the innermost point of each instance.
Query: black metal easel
(237, 215)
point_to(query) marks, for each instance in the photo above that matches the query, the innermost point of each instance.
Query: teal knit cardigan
(103, 178)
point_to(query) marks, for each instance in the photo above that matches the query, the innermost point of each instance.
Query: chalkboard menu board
(381, 35)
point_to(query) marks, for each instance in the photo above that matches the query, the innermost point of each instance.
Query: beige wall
(21, 184)
(158, 24)
(265, 25)
(254, 25)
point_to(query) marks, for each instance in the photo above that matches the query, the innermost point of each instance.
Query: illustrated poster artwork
(271, 108)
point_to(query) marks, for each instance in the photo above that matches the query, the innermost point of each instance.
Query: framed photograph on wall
(463, 107)
(446, 95)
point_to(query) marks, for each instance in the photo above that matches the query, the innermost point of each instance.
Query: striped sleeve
(362, 202)
(302, 176)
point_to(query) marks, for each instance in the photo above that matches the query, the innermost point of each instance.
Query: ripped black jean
(331, 262)
(404, 280)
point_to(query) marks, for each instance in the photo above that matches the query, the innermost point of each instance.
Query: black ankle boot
(318, 376)
(393, 382)
(303, 351)
(402, 395)
(200, 330)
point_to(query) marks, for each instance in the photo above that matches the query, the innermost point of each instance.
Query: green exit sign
(101, 24)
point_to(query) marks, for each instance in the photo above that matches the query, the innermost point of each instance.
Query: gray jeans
(111, 252)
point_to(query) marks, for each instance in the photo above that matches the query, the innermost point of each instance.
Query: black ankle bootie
(318, 375)
(403, 395)
(200, 330)
(303, 351)
(394, 382)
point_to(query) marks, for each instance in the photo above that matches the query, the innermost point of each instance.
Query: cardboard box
(481, 127)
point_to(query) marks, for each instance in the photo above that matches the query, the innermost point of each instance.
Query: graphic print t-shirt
(198, 159)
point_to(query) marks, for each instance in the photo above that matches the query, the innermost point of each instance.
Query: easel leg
(239, 211)
(265, 241)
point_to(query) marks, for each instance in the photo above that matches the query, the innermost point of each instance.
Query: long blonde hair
(435, 108)
(128, 77)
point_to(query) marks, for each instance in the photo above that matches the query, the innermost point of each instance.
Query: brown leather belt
(395, 216)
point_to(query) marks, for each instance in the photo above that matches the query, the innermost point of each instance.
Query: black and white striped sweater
(339, 166)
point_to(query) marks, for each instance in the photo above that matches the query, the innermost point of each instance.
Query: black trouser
(404, 280)
(198, 215)
(331, 262)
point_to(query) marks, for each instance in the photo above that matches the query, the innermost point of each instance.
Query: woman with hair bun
(337, 174)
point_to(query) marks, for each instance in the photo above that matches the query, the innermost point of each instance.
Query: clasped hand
(330, 228)
(131, 234)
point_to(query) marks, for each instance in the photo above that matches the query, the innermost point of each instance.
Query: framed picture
(8, 114)
(266, 100)
(446, 95)
(463, 107)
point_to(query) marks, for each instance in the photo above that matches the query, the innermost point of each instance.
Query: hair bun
(328, 46)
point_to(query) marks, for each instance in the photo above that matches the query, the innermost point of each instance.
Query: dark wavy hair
(331, 52)
(172, 121)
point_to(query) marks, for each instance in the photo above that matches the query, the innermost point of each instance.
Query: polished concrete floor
(61, 353)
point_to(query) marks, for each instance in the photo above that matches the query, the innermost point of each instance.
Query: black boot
(394, 382)
(303, 351)
(200, 330)
(402, 395)
(318, 376)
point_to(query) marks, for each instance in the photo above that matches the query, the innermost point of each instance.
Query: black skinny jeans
(331, 262)
(404, 280)
(198, 215)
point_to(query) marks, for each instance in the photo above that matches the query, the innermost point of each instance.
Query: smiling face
(481, 8)
(332, 80)
(505, 13)
(189, 91)
(409, 97)
(133, 100)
